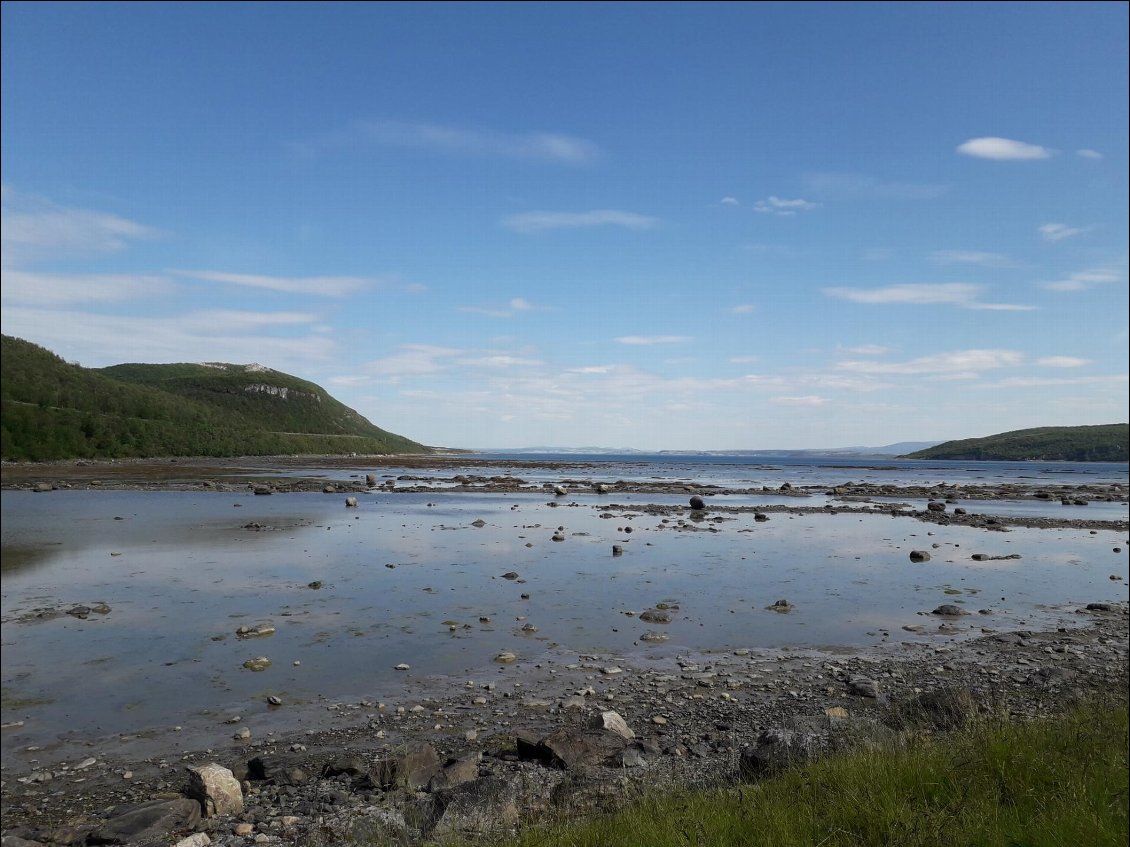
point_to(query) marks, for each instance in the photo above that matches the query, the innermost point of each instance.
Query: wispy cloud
(856, 185)
(1062, 362)
(784, 208)
(729, 201)
(1057, 232)
(743, 309)
(653, 339)
(960, 362)
(868, 350)
(1003, 149)
(542, 221)
(1083, 280)
(808, 400)
(961, 294)
(972, 257)
(325, 286)
(32, 288)
(101, 339)
(517, 305)
(412, 360)
(32, 228)
(1051, 382)
(1089, 154)
(547, 147)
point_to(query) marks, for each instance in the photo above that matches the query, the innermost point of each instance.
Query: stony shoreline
(538, 738)
(491, 756)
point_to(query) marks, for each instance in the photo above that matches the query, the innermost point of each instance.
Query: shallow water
(182, 572)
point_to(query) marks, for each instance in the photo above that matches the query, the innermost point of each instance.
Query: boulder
(612, 722)
(487, 805)
(151, 821)
(216, 788)
(697, 503)
(412, 770)
(919, 556)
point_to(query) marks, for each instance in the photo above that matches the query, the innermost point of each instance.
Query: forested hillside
(55, 410)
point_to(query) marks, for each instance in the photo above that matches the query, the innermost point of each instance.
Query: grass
(1060, 782)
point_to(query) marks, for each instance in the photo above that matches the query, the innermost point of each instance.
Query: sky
(648, 225)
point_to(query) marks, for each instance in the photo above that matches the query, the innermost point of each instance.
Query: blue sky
(662, 226)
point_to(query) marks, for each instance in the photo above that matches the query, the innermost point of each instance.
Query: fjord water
(409, 578)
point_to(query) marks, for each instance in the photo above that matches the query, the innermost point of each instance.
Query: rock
(411, 771)
(1100, 607)
(936, 506)
(216, 788)
(775, 750)
(510, 575)
(348, 765)
(558, 536)
(653, 637)
(570, 748)
(153, 821)
(457, 772)
(478, 524)
(198, 839)
(612, 722)
(863, 686)
(370, 480)
(942, 708)
(617, 550)
(403, 666)
(919, 556)
(487, 805)
(949, 610)
(560, 490)
(655, 616)
(590, 793)
(262, 490)
(697, 503)
(506, 658)
(259, 663)
(780, 606)
(760, 517)
(351, 502)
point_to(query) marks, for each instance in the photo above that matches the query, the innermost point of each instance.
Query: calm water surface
(182, 572)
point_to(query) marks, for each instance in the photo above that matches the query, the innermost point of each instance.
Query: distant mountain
(1105, 443)
(55, 410)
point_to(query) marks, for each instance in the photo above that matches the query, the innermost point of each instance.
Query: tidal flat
(460, 598)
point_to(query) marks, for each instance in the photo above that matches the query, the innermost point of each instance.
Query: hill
(1106, 443)
(50, 409)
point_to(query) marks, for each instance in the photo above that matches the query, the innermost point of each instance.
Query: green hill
(1105, 443)
(50, 409)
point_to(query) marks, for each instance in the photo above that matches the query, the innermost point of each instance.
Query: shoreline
(692, 714)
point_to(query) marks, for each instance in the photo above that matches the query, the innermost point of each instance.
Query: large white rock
(216, 788)
(612, 722)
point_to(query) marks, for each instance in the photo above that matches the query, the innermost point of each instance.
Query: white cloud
(31, 288)
(959, 363)
(868, 350)
(782, 207)
(960, 294)
(972, 257)
(807, 400)
(232, 320)
(1089, 154)
(325, 286)
(653, 339)
(1003, 149)
(592, 369)
(729, 201)
(1050, 382)
(515, 306)
(32, 228)
(743, 309)
(744, 360)
(99, 339)
(548, 147)
(413, 360)
(500, 361)
(1083, 280)
(1058, 232)
(1062, 362)
(541, 221)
